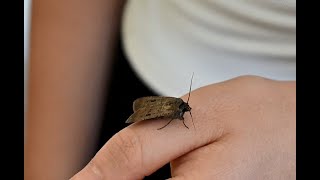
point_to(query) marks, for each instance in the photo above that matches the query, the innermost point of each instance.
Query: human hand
(245, 129)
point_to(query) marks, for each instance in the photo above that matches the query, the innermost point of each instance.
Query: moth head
(185, 107)
(188, 108)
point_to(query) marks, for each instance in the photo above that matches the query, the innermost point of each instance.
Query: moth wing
(150, 101)
(146, 113)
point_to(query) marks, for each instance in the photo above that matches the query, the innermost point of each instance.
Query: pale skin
(245, 127)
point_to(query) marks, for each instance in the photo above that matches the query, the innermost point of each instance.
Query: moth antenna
(192, 120)
(190, 88)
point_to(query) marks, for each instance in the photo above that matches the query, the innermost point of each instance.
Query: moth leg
(185, 124)
(166, 124)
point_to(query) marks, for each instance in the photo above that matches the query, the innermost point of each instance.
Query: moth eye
(148, 114)
(153, 100)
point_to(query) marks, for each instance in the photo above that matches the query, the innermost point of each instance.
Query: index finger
(140, 149)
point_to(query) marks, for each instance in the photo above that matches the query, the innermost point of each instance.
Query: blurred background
(27, 12)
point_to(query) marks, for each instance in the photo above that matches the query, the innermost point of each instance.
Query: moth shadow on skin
(160, 107)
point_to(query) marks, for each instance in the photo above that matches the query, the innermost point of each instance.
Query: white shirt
(167, 40)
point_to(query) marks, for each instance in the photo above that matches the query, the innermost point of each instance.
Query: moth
(160, 107)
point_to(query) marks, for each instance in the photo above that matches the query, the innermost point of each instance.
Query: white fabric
(167, 40)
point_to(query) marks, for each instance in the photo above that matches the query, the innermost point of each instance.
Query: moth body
(160, 107)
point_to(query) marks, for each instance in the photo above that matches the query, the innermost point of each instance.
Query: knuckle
(247, 81)
(250, 85)
(250, 78)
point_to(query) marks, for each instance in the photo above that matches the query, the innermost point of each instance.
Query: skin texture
(245, 129)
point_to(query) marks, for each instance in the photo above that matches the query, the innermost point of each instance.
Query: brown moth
(159, 107)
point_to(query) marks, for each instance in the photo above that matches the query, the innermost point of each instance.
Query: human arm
(72, 45)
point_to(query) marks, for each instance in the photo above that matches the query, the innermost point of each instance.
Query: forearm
(71, 48)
